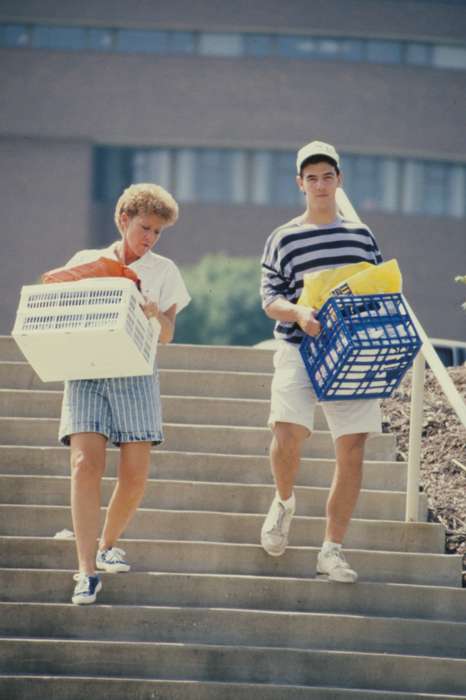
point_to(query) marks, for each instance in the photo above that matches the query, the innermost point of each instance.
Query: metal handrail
(427, 353)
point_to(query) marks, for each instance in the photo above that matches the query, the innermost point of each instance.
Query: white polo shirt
(161, 280)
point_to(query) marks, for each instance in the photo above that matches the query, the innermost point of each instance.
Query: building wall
(56, 105)
(44, 200)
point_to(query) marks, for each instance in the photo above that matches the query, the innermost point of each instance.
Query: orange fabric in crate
(103, 267)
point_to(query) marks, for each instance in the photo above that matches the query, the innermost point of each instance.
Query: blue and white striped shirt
(295, 248)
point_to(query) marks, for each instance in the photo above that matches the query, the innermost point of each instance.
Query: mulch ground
(443, 456)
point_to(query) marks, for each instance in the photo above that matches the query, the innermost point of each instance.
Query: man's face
(319, 182)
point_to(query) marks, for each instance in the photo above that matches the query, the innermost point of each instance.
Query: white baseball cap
(316, 148)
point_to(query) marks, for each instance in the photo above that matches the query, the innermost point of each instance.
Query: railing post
(415, 428)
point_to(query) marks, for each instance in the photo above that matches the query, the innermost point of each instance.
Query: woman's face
(140, 234)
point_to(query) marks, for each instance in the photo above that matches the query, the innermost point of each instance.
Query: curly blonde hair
(146, 198)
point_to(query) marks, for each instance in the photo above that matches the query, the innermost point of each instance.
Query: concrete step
(194, 625)
(175, 382)
(181, 356)
(240, 559)
(45, 521)
(244, 592)
(196, 438)
(246, 469)
(210, 496)
(26, 403)
(68, 688)
(233, 664)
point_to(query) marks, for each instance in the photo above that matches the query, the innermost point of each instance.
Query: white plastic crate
(89, 329)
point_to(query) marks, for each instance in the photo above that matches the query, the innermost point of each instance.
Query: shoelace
(340, 556)
(82, 581)
(279, 521)
(114, 554)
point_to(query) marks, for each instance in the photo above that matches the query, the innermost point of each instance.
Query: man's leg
(344, 493)
(285, 456)
(128, 493)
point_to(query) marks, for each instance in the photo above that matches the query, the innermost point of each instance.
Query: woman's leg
(132, 477)
(87, 468)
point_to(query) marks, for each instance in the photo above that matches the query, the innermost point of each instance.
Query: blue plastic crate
(366, 345)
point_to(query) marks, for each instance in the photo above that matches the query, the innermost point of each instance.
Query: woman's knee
(85, 466)
(133, 479)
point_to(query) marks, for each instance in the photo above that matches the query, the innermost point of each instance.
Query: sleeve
(274, 283)
(174, 290)
(378, 258)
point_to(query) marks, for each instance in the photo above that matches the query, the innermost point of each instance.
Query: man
(318, 239)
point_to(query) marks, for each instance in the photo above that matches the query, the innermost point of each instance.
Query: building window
(153, 165)
(100, 39)
(435, 188)
(212, 44)
(384, 51)
(284, 190)
(58, 37)
(181, 43)
(449, 57)
(15, 35)
(259, 45)
(235, 44)
(418, 54)
(267, 177)
(298, 46)
(137, 41)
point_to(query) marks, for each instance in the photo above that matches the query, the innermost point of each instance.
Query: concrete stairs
(205, 613)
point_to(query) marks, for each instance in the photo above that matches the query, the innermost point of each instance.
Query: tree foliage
(225, 307)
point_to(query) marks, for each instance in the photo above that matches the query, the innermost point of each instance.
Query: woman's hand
(165, 318)
(151, 310)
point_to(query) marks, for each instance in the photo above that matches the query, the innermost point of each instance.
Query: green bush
(225, 307)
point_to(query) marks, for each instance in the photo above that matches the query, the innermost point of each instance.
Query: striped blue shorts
(124, 409)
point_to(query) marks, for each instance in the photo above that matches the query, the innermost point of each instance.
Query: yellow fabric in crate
(358, 278)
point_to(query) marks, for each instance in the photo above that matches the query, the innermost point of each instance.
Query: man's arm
(282, 310)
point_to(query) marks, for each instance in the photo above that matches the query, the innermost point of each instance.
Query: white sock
(289, 503)
(328, 545)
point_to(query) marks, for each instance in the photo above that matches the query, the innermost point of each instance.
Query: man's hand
(307, 321)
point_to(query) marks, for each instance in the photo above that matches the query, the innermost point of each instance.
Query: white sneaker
(332, 563)
(112, 560)
(274, 534)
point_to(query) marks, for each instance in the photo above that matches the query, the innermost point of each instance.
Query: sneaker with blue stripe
(86, 589)
(112, 560)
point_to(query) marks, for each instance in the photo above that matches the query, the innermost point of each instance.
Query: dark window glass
(366, 182)
(284, 188)
(112, 173)
(435, 188)
(418, 54)
(384, 51)
(14, 35)
(139, 41)
(298, 46)
(258, 45)
(181, 42)
(100, 39)
(58, 37)
(352, 49)
(213, 175)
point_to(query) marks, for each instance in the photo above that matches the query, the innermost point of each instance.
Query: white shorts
(294, 401)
